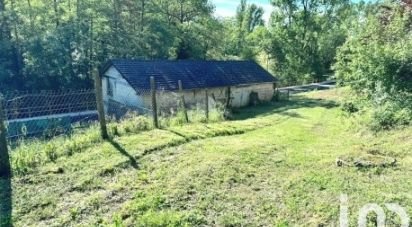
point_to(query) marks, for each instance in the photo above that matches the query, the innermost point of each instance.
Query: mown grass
(273, 165)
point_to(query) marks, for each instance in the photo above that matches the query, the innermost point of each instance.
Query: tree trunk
(30, 15)
(91, 58)
(142, 13)
(56, 13)
(181, 15)
(17, 57)
(4, 27)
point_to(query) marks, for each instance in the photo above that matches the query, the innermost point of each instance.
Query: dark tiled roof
(193, 74)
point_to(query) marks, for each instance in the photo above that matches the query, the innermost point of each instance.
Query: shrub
(389, 116)
(131, 124)
(349, 107)
(375, 62)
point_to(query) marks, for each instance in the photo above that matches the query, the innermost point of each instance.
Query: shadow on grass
(177, 133)
(133, 161)
(281, 107)
(5, 202)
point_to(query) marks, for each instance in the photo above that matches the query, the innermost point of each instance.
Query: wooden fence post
(154, 103)
(207, 104)
(229, 93)
(182, 100)
(100, 104)
(5, 170)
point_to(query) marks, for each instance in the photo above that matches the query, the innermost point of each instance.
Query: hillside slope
(273, 165)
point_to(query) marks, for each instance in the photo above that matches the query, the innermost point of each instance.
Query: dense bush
(376, 62)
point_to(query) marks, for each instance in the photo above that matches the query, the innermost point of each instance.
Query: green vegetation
(279, 164)
(30, 153)
(55, 45)
(273, 165)
(376, 63)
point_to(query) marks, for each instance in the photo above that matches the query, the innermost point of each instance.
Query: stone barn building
(127, 82)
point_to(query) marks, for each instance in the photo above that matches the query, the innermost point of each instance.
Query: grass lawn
(274, 165)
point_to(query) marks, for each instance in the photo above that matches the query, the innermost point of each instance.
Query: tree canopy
(55, 44)
(376, 62)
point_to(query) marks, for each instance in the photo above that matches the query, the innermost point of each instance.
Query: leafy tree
(10, 54)
(55, 44)
(305, 35)
(237, 43)
(376, 62)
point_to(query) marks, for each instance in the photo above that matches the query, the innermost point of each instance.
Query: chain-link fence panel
(189, 106)
(50, 113)
(47, 113)
(125, 104)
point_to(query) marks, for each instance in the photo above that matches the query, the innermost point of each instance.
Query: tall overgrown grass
(381, 112)
(30, 153)
(195, 115)
(27, 154)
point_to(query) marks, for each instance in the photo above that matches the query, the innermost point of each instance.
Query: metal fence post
(154, 103)
(100, 104)
(183, 102)
(207, 104)
(5, 170)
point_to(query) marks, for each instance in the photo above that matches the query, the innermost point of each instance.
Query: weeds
(132, 124)
(29, 154)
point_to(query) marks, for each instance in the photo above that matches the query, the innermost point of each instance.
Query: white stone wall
(192, 97)
(122, 91)
(240, 95)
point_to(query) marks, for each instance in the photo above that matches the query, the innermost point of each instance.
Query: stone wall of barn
(240, 96)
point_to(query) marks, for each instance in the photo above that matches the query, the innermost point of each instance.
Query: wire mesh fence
(172, 107)
(50, 113)
(124, 104)
(47, 113)
(179, 107)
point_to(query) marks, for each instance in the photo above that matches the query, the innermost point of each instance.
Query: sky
(226, 8)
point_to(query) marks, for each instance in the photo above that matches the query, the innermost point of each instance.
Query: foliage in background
(376, 62)
(305, 35)
(54, 45)
(299, 43)
(238, 42)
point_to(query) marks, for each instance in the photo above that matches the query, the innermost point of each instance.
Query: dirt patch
(366, 161)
